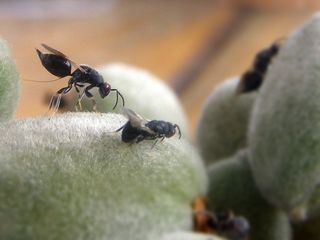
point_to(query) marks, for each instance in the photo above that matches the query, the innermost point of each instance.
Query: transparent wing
(136, 120)
(56, 52)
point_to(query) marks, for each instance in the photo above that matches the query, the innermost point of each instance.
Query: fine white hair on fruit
(9, 83)
(284, 134)
(70, 176)
(222, 127)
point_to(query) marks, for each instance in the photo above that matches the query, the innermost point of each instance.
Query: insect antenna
(117, 99)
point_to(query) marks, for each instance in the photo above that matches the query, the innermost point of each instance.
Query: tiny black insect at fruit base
(83, 77)
(138, 129)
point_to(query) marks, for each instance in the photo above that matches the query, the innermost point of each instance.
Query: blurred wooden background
(192, 45)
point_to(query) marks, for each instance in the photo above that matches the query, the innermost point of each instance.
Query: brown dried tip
(201, 216)
(224, 224)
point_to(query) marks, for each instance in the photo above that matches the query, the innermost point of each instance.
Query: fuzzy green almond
(71, 177)
(190, 236)
(143, 92)
(232, 187)
(222, 128)
(9, 83)
(312, 208)
(284, 134)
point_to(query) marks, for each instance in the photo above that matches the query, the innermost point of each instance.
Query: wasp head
(104, 89)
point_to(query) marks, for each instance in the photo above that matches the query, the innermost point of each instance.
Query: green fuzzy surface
(189, 236)
(222, 128)
(284, 135)
(70, 176)
(143, 92)
(231, 187)
(9, 84)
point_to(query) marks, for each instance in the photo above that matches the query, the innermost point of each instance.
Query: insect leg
(154, 144)
(119, 129)
(140, 138)
(89, 95)
(79, 102)
(179, 131)
(76, 86)
(54, 103)
(55, 100)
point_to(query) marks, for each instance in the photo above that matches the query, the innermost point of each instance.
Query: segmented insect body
(138, 129)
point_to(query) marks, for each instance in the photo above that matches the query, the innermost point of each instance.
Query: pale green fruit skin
(70, 176)
(9, 84)
(189, 236)
(222, 128)
(284, 134)
(231, 187)
(143, 92)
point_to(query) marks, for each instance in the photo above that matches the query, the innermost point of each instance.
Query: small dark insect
(83, 76)
(225, 224)
(252, 79)
(230, 226)
(138, 129)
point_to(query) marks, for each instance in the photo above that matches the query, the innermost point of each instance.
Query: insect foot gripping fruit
(9, 84)
(143, 92)
(71, 177)
(284, 135)
(222, 128)
(231, 187)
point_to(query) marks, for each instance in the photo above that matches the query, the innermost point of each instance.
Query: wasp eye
(104, 89)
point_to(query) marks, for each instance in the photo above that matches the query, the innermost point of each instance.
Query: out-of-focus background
(192, 45)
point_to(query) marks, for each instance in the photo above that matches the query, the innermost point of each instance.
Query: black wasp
(253, 78)
(138, 129)
(83, 76)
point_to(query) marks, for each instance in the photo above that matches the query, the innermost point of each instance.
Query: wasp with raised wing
(138, 129)
(252, 79)
(83, 77)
